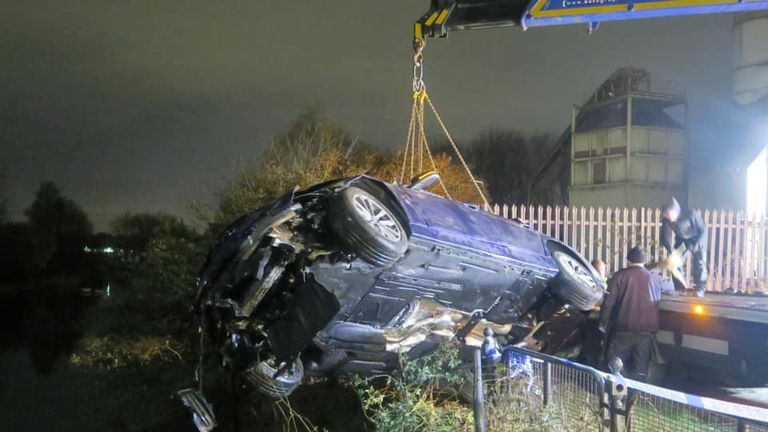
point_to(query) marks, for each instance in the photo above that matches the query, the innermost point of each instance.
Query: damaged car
(345, 276)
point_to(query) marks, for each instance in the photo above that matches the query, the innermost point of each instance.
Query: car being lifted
(345, 276)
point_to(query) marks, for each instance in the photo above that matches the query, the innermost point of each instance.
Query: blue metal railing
(610, 401)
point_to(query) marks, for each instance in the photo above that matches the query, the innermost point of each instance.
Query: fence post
(737, 252)
(479, 399)
(741, 426)
(617, 396)
(547, 383)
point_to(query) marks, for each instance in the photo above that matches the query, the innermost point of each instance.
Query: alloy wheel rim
(377, 217)
(575, 269)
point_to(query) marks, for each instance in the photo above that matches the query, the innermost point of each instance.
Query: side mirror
(425, 180)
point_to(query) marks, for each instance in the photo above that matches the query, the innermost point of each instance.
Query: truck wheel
(261, 377)
(368, 227)
(752, 372)
(656, 372)
(576, 284)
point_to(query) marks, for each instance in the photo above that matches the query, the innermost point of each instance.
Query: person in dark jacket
(630, 314)
(683, 226)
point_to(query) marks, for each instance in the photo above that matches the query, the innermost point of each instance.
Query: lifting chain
(418, 65)
(416, 141)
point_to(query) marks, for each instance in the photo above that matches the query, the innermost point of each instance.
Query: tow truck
(445, 16)
(723, 333)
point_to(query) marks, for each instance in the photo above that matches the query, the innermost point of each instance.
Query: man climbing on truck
(683, 226)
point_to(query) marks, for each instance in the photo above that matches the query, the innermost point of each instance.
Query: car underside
(346, 276)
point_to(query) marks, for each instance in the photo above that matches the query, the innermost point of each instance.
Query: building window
(598, 171)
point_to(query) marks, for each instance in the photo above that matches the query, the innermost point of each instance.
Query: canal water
(39, 329)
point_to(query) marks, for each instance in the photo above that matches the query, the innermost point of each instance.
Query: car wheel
(261, 376)
(368, 227)
(575, 284)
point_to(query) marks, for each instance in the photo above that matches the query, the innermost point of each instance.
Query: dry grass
(110, 351)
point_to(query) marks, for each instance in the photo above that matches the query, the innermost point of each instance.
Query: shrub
(422, 396)
(419, 396)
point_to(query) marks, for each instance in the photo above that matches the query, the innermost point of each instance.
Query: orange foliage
(452, 173)
(314, 151)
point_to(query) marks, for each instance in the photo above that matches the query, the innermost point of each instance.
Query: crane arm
(450, 15)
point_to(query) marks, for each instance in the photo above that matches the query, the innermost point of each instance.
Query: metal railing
(559, 395)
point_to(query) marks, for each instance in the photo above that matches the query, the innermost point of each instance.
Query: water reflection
(47, 322)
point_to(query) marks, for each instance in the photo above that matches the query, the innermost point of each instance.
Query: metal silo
(628, 143)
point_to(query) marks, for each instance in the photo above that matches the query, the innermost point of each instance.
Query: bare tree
(508, 160)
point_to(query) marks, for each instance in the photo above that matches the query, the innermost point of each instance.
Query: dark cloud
(143, 105)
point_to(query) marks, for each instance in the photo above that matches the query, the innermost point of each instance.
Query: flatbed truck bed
(720, 332)
(740, 307)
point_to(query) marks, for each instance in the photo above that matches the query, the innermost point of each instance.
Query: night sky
(143, 105)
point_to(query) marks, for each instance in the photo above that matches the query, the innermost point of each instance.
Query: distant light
(86, 249)
(109, 290)
(698, 309)
(108, 250)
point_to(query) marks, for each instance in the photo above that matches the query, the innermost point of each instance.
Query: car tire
(261, 377)
(368, 226)
(576, 283)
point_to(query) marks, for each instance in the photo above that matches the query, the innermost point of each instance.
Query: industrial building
(625, 147)
(737, 177)
(628, 143)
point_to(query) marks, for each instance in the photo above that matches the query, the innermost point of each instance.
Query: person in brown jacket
(629, 316)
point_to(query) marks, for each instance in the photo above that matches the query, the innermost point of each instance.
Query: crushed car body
(345, 276)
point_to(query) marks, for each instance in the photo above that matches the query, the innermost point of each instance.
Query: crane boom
(450, 15)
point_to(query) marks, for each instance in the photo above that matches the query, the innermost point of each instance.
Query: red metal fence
(736, 253)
